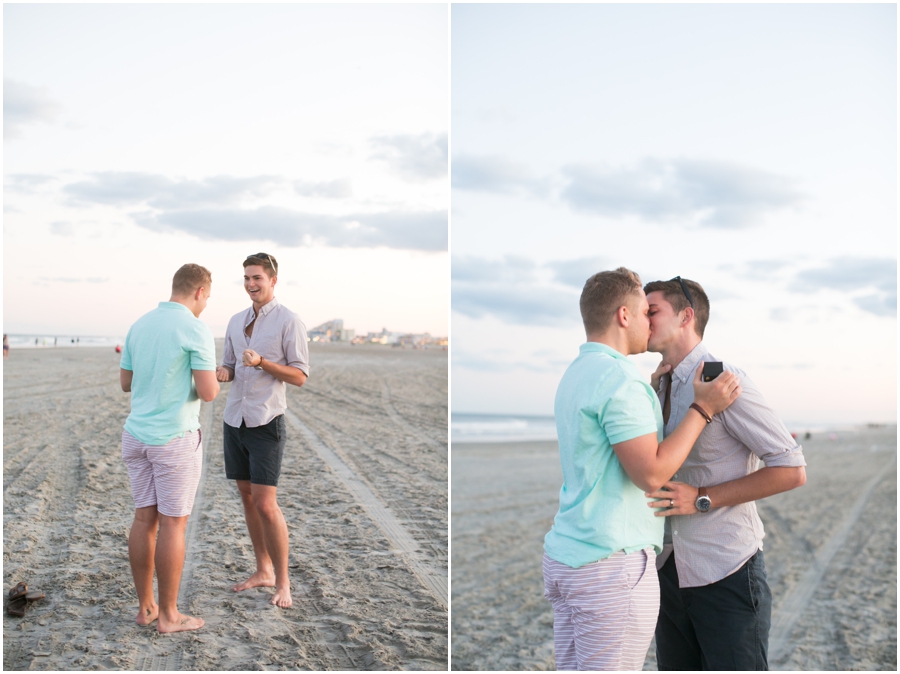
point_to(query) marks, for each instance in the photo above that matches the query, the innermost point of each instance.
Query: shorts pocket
(643, 563)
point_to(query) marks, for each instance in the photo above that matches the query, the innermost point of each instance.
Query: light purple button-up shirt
(712, 545)
(256, 397)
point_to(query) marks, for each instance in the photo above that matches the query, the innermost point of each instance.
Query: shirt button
(675, 533)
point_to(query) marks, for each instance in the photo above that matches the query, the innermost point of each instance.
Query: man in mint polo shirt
(599, 570)
(168, 364)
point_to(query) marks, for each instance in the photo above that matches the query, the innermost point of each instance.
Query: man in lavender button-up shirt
(715, 602)
(272, 344)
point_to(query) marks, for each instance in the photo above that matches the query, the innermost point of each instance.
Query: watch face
(703, 503)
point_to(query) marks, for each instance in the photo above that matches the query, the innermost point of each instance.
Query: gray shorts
(254, 454)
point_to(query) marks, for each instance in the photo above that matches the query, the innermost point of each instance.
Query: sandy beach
(363, 489)
(831, 555)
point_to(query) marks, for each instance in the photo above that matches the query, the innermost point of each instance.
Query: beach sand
(363, 489)
(830, 551)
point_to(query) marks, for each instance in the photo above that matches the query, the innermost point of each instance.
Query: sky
(751, 148)
(138, 138)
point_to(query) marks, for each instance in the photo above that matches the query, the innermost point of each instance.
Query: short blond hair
(603, 294)
(189, 278)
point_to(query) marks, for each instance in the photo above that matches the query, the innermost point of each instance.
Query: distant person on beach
(715, 604)
(272, 344)
(5, 346)
(599, 556)
(161, 444)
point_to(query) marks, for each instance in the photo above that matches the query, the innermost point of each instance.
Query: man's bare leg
(264, 575)
(141, 551)
(275, 533)
(261, 508)
(169, 564)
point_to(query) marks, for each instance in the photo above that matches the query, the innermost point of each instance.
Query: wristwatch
(259, 367)
(702, 503)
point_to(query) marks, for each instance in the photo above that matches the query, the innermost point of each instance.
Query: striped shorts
(604, 613)
(167, 475)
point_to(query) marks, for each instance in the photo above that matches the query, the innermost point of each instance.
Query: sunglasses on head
(268, 257)
(684, 288)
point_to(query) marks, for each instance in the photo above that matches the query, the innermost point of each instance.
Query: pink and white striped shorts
(604, 613)
(164, 475)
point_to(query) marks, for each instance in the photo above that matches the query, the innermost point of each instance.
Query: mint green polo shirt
(602, 400)
(161, 349)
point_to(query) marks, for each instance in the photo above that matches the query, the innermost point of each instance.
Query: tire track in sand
(798, 600)
(186, 591)
(401, 422)
(432, 579)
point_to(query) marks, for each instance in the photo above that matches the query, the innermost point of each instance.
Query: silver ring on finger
(671, 503)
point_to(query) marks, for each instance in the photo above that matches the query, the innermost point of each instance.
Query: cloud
(334, 189)
(27, 183)
(494, 361)
(511, 269)
(480, 363)
(61, 228)
(495, 174)
(518, 290)
(414, 157)
(196, 207)
(425, 230)
(132, 188)
(576, 272)
(713, 193)
(880, 304)
(527, 305)
(851, 275)
(758, 270)
(69, 279)
(789, 366)
(24, 104)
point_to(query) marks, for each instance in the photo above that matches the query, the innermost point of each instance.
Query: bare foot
(182, 623)
(258, 579)
(282, 597)
(147, 615)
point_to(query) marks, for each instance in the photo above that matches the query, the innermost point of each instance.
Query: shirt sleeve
(203, 350)
(125, 362)
(630, 413)
(753, 423)
(228, 357)
(295, 345)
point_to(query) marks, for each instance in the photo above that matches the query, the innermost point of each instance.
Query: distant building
(332, 331)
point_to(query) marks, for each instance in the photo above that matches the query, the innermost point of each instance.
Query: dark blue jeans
(722, 626)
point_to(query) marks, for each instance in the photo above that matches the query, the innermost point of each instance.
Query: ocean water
(468, 427)
(60, 341)
(501, 427)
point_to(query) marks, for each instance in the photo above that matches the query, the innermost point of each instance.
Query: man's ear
(623, 316)
(688, 315)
